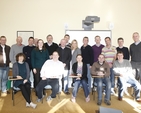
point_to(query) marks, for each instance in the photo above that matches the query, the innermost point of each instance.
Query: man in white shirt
(51, 71)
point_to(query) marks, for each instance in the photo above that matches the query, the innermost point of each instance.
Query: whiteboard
(25, 36)
(80, 34)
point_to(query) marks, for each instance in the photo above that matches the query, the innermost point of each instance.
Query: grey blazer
(15, 70)
(75, 53)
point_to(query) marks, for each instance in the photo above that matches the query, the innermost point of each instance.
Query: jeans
(64, 82)
(4, 78)
(76, 87)
(137, 65)
(112, 78)
(89, 76)
(31, 79)
(122, 86)
(106, 81)
(54, 83)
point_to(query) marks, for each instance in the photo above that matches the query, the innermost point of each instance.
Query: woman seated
(21, 71)
(79, 71)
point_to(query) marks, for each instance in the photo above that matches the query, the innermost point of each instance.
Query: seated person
(123, 68)
(21, 71)
(79, 69)
(51, 71)
(101, 68)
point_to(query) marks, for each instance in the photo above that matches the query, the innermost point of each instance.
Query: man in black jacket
(50, 45)
(87, 55)
(65, 57)
(27, 52)
(4, 65)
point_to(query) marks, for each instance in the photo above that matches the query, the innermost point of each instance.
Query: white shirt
(49, 44)
(52, 69)
(4, 55)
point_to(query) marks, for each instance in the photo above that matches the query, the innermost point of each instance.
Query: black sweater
(65, 56)
(84, 70)
(87, 54)
(125, 52)
(27, 52)
(135, 52)
(51, 48)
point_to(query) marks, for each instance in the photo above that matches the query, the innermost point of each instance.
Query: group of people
(52, 64)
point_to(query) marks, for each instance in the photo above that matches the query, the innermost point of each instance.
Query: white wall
(49, 16)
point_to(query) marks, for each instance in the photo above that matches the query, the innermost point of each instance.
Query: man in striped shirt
(109, 52)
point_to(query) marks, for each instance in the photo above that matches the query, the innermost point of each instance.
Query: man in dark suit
(65, 57)
(50, 45)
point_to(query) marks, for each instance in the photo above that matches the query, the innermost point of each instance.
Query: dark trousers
(54, 83)
(26, 91)
(37, 77)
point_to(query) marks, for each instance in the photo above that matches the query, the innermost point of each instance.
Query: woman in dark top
(38, 57)
(21, 71)
(80, 69)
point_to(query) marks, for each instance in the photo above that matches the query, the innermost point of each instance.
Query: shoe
(138, 99)
(3, 94)
(99, 102)
(27, 104)
(33, 105)
(120, 98)
(88, 99)
(38, 100)
(73, 99)
(67, 93)
(107, 102)
(104, 92)
(112, 91)
(49, 98)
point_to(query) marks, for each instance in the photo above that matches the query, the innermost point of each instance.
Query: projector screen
(80, 34)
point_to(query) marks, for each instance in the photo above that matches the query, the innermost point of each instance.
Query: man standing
(122, 48)
(87, 55)
(135, 52)
(50, 45)
(15, 49)
(67, 38)
(27, 52)
(109, 52)
(122, 67)
(4, 65)
(51, 71)
(101, 68)
(97, 48)
(65, 57)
